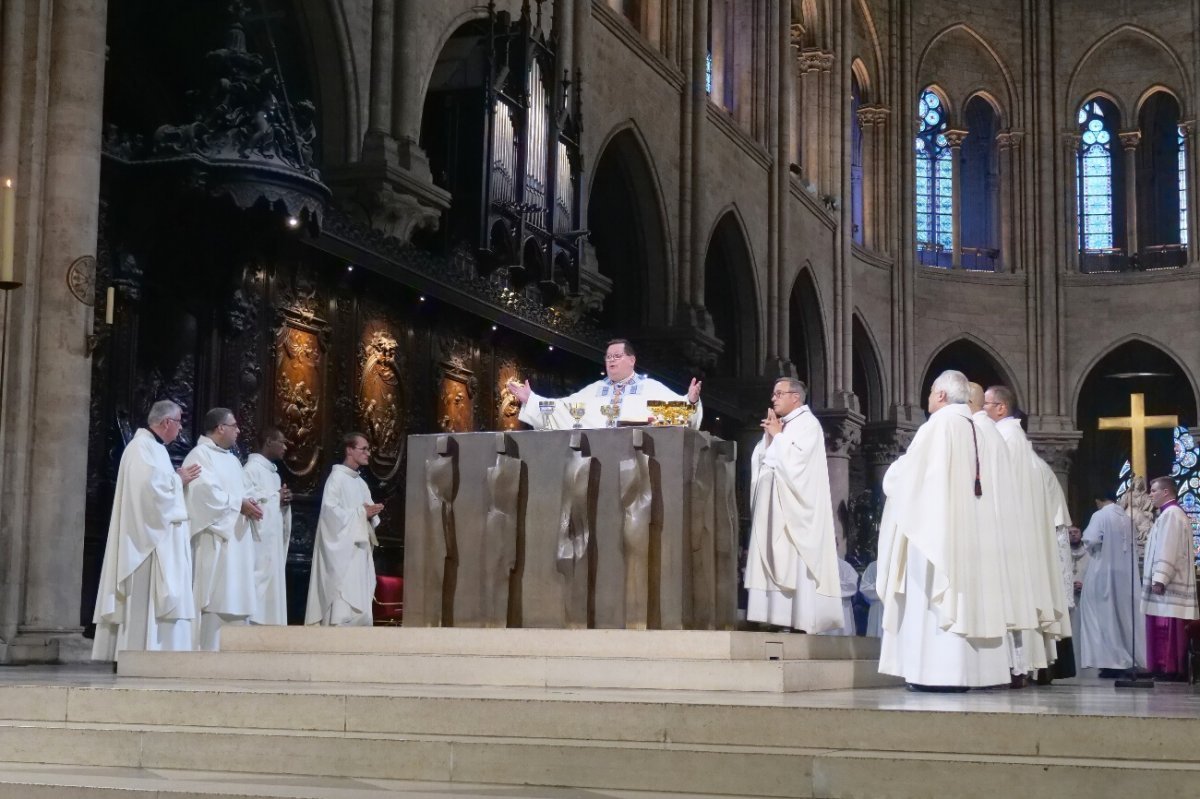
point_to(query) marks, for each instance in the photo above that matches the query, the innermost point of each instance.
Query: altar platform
(224, 725)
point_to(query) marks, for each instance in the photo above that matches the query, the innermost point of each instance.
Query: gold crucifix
(1137, 423)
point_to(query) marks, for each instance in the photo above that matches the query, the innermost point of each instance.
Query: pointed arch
(867, 371)
(808, 346)
(1076, 93)
(977, 359)
(324, 26)
(627, 219)
(877, 89)
(1113, 346)
(731, 294)
(1010, 86)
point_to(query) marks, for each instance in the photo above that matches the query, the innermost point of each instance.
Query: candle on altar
(110, 298)
(8, 217)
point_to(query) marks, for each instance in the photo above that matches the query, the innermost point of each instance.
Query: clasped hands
(772, 425)
(373, 508)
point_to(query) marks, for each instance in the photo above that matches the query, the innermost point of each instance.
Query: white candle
(109, 301)
(8, 217)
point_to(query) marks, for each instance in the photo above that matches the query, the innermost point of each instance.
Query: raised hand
(693, 393)
(188, 473)
(285, 496)
(520, 390)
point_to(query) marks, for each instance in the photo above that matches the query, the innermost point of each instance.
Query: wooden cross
(1137, 423)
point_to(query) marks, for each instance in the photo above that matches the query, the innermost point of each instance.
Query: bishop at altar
(622, 392)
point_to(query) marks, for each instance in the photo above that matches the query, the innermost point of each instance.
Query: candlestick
(110, 299)
(8, 217)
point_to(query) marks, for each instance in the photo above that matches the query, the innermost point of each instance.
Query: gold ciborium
(612, 412)
(577, 410)
(671, 412)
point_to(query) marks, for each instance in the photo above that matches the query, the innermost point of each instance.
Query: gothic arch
(1106, 95)
(1009, 85)
(1077, 94)
(627, 218)
(324, 25)
(868, 377)
(1002, 120)
(951, 112)
(868, 20)
(975, 358)
(452, 28)
(1109, 349)
(808, 348)
(1150, 92)
(866, 87)
(731, 294)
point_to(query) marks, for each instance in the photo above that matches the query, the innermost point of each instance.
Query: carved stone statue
(500, 540)
(1136, 501)
(637, 498)
(575, 532)
(440, 487)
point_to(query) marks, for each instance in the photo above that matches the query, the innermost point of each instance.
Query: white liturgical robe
(632, 397)
(944, 617)
(849, 584)
(272, 534)
(145, 595)
(1170, 560)
(791, 565)
(343, 567)
(222, 542)
(866, 586)
(1110, 607)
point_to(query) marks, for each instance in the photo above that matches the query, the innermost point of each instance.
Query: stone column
(780, 192)
(62, 393)
(810, 115)
(696, 165)
(1193, 216)
(873, 119)
(382, 36)
(1129, 142)
(1071, 218)
(829, 104)
(955, 139)
(1057, 449)
(1007, 142)
(843, 434)
(883, 443)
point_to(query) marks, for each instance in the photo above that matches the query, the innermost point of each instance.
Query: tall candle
(8, 218)
(110, 298)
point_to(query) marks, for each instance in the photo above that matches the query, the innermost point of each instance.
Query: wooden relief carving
(298, 383)
(507, 406)
(380, 396)
(456, 400)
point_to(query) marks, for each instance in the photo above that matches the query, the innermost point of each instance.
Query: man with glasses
(221, 511)
(1168, 584)
(145, 595)
(622, 388)
(274, 531)
(792, 578)
(342, 581)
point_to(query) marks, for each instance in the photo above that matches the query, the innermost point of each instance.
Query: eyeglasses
(615, 357)
(361, 449)
(173, 419)
(229, 424)
(992, 403)
(778, 394)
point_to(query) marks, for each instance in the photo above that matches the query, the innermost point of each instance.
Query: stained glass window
(708, 72)
(1183, 198)
(1095, 174)
(1186, 474)
(935, 192)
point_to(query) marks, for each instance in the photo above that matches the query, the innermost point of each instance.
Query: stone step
(678, 644)
(520, 671)
(846, 721)
(690, 770)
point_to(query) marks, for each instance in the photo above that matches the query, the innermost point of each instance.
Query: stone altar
(614, 528)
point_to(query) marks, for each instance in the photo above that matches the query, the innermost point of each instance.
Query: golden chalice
(577, 410)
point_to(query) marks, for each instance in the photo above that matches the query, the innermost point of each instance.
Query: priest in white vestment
(1035, 525)
(866, 587)
(848, 578)
(1168, 584)
(622, 388)
(1000, 489)
(342, 582)
(791, 565)
(944, 617)
(1111, 621)
(1060, 521)
(221, 510)
(273, 532)
(145, 596)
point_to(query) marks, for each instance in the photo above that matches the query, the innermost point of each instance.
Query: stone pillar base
(34, 647)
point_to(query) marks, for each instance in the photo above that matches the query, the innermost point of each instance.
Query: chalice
(612, 412)
(577, 411)
(547, 409)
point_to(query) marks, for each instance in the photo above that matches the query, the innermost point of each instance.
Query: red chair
(388, 604)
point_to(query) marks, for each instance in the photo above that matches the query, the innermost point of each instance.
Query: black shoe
(1111, 674)
(938, 689)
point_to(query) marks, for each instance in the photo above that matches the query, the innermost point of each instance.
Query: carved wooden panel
(456, 400)
(507, 406)
(298, 387)
(381, 400)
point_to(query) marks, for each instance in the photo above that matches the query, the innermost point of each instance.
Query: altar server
(343, 567)
(622, 389)
(944, 621)
(791, 567)
(221, 511)
(145, 595)
(1111, 622)
(273, 532)
(1168, 584)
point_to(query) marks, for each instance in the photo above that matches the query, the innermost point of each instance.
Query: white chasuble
(343, 566)
(272, 535)
(630, 396)
(792, 575)
(222, 542)
(145, 596)
(1170, 561)
(1110, 609)
(944, 613)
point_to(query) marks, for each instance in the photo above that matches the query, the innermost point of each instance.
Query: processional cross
(1137, 423)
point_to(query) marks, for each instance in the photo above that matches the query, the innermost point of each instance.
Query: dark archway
(806, 337)
(1160, 161)
(980, 186)
(729, 297)
(867, 375)
(1132, 367)
(626, 224)
(970, 358)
